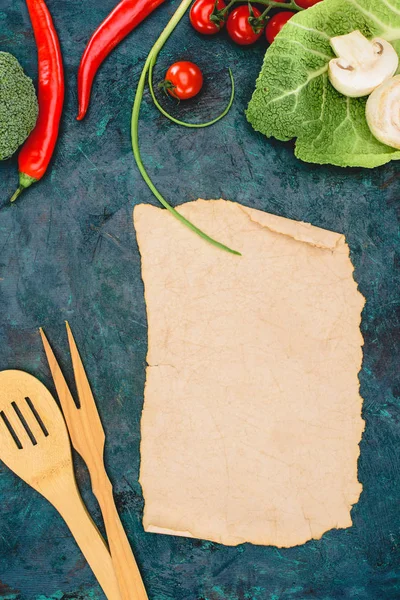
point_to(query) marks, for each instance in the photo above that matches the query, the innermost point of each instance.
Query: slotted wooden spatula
(88, 438)
(34, 444)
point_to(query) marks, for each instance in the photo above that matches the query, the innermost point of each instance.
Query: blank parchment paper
(252, 413)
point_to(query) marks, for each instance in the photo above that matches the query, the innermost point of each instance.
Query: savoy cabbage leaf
(294, 98)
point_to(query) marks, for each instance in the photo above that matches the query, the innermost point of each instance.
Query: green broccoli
(18, 105)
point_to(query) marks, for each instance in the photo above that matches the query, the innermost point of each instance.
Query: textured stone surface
(68, 251)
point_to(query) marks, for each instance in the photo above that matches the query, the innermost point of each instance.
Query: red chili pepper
(122, 20)
(38, 149)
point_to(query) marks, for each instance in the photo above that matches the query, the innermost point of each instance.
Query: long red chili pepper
(122, 20)
(38, 149)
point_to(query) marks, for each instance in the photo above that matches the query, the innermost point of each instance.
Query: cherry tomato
(239, 26)
(276, 23)
(306, 3)
(200, 14)
(183, 80)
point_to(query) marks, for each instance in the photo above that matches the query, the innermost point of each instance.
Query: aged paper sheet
(252, 415)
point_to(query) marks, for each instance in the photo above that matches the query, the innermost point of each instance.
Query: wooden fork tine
(83, 388)
(128, 575)
(63, 392)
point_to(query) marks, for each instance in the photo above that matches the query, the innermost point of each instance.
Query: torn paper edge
(304, 233)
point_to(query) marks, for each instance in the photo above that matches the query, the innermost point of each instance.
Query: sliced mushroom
(362, 65)
(383, 112)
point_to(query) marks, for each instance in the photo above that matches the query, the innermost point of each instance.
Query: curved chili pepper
(38, 149)
(120, 22)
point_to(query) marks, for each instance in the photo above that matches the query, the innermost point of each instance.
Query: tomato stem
(264, 14)
(258, 23)
(150, 61)
(223, 11)
(166, 86)
(270, 4)
(219, 16)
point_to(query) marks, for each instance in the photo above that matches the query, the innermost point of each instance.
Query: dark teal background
(68, 251)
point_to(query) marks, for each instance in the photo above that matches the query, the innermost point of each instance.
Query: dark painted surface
(68, 251)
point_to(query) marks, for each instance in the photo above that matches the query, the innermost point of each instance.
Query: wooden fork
(34, 444)
(88, 438)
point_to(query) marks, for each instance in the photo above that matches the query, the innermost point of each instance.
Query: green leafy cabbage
(294, 98)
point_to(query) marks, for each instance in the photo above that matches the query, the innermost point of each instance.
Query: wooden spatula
(34, 444)
(88, 438)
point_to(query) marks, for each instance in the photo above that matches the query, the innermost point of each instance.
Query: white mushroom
(383, 112)
(362, 64)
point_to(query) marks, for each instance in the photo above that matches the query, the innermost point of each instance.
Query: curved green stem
(135, 126)
(184, 123)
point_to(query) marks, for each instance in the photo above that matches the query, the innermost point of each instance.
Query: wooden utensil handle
(89, 540)
(128, 575)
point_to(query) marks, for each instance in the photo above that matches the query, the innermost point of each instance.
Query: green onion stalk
(146, 74)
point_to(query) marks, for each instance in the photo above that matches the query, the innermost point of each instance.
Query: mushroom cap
(383, 112)
(357, 78)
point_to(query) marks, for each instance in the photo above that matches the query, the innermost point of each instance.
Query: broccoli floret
(18, 105)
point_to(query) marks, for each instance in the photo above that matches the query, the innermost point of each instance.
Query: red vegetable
(38, 149)
(276, 23)
(306, 3)
(200, 14)
(122, 20)
(239, 25)
(183, 80)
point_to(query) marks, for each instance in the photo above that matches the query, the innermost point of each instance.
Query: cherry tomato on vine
(276, 23)
(200, 14)
(306, 3)
(239, 26)
(183, 80)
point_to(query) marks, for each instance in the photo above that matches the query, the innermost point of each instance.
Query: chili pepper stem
(179, 13)
(25, 181)
(17, 193)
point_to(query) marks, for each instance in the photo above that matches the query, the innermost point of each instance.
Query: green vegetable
(294, 98)
(145, 75)
(18, 105)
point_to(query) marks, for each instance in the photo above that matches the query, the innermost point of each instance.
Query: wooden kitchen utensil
(34, 444)
(88, 438)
